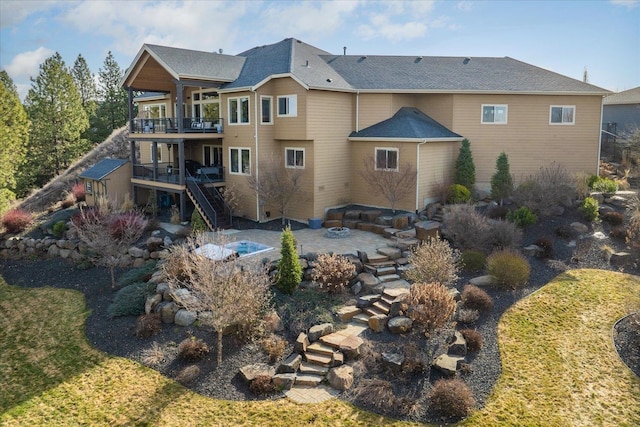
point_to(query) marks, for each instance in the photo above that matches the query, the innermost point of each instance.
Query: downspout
(255, 136)
(600, 137)
(418, 174)
(357, 111)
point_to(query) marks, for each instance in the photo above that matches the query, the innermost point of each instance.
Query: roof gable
(103, 168)
(631, 96)
(407, 123)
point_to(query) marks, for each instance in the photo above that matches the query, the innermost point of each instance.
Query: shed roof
(103, 168)
(407, 123)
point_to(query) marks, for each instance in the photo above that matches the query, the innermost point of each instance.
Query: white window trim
(506, 114)
(563, 107)
(202, 102)
(159, 153)
(162, 112)
(270, 98)
(304, 157)
(240, 161)
(239, 122)
(290, 98)
(375, 158)
(88, 187)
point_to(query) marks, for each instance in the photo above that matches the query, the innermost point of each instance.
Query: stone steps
(320, 348)
(362, 318)
(381, 306)
(310, 380)
(373, 311)
(313, 368)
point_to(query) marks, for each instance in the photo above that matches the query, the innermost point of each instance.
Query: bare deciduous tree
(277, 185)
(109, 233)
(226, 293)
(394, 184)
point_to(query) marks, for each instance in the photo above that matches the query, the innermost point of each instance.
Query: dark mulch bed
(115, 335)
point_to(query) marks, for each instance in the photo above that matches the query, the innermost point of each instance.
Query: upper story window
(155, 111)
(156, 153)
(494, 114)
(240, 161)
(288, 106)
(562, 115)
(294, 157)
(387, 159)
(266, 111)
(206, 105)
(239, 110)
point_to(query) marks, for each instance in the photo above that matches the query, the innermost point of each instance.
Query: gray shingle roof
(103, 168)
(415, 73)
(407, 123)
(198, 64)
(631, 96)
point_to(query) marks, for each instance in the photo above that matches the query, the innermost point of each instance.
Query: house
(207, 120)
(110, 178)
(621, 114)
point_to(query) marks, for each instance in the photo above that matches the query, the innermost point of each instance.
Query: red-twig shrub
(16, 220)
(262, 385)
(124, 224)
(451, 398)
(477, 299)
(78, 191)
(192, 349)
(473, 338)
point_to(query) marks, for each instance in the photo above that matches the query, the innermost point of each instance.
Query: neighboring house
(110, 178)
(208, 120)
(621, 114)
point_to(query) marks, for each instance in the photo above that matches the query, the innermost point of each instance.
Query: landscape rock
(273, 322)
(185, 317)
(427, 229)
(621, 259)
(447, 364)
(378, 322)
(291, 364)
(346, 313)
(251, 372)
(341, 378)
(168, 311)
(579, 227)
(350, 346)
(393, 360)
(284, 381)
(151, 302)
(315, 332)
(481, 281)
(459, 345)
(399, 325)
(356, 288)
(301, 343)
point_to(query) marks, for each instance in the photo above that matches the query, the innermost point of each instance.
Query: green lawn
(559, 368)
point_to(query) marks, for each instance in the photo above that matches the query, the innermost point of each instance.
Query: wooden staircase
(210, 204)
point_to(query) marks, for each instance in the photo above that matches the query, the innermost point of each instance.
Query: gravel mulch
(115, 335)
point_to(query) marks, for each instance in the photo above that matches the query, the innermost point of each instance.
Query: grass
(559, 368)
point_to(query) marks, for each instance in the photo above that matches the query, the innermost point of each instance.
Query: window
(212, 155)
(387, 159)
(295, 157)
(157, 154)
(265, 110)
(240, 159)
(206, 106)
(494, 114)
(88, 187)
(288, 106)
(155, 111)
(239, 110)
(562, 115)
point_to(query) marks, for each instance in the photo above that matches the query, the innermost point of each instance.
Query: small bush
(503, 234)
(140, 274)
(604, 185)
(188, 374)
(273, 346)
(379, 395)
(549, 187)
(509, 267)
(451, 398)
(473, 261)
(565, 231)
(475, 298)
(430, 305)
(467, 316)
(197, 223)
(547, 246)
(78, 192)
(633, 218)
(16, 220)
(262, 385)
(473, 338)
(466, 227)
(148, 325)
(498, 212)
(414, 362)
(289, 268)
(434, 261)
(458, 193)
(305, 308)
(613, 218)
(618, 232)
(589, 209)
(121, 225)
(333, 272)
(68, 201)
(192, 349)
(129, 301)
(522, 217)
(154, 356)
(59, 228)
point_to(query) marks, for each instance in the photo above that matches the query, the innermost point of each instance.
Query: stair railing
(213, 191)
(200, 199)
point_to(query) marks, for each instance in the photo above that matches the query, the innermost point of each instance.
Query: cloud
(381, 26)
(13, 12)
(397, 21)
(464, 5)
(27, 64)
(627, 3)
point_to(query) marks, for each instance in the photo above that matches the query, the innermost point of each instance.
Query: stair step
(389, 277)
(308, 380)
(373, 311)
(374, 258)
(333, 340)
(387, 299)
(312, 368)
(361, 318)
(381, 271)
(319, 359)
(379, 305)
(392, 293)
(320, 348)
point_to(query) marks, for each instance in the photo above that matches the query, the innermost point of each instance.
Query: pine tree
(14, 136)
(113, 111)
(85, 82)
(501, 181)
(465, 173)
(289, 268)
(58, 120)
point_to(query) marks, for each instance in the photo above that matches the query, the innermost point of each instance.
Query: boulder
(400, 222)
(368, 280)
(399, 324)
(356, 288)
(284, 381)
(579, 227)
(621, 259)
(185, 317)
(352, 214)
(315, 332)
(338, 359)
(378, 322)
(291, 364)
(154, 244)
(167, 311)
(136, 252)
(273, 323)
(391, 253)
(427, 229)
(365, 301)
(447, 364)
(370, 216)
(459, 345)
(346, 313)
(151, 302)
(251, 372)
(483, 281)
(533, 250)
(167, 242)
(350, 346)
(301, 343)
(334, 215)
(393, 360)
(341, 378)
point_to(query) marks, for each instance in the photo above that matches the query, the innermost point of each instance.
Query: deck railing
(166, 172)
(170, 125)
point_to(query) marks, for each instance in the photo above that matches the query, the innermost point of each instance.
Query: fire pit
(338, 232)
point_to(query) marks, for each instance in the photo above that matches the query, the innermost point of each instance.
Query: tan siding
(374, 108)
(289, 127)
(115, 186)
(438, 107)
(437, 161)
(528, 138)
